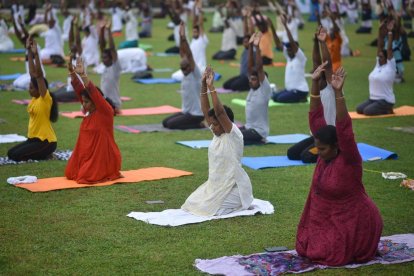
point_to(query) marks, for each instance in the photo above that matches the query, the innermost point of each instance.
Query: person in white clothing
(53, 39)
(296, 87)
(112, 72)
(117, 14)
(381, 79)
(6, 43)
(66, 22)
(23, 81)
(131, 29)
(256, 129)
(198, 44)
(228, 188)
(228, 42)
(89, 46)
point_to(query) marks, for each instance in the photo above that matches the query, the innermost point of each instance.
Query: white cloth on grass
(177, 217)
(6, 43)
(26, 179)
(132, 60)
(228, 187)
(11, 138)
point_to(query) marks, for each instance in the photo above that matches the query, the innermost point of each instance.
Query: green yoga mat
(242, 102)
(145, 47)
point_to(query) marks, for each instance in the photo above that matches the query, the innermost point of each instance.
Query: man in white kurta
(228, 188)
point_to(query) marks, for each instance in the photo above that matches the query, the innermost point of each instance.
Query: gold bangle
(314, 96)
(213, 91)
(204, 93)
(340, 98)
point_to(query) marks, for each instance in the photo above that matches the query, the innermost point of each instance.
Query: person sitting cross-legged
(228, 187)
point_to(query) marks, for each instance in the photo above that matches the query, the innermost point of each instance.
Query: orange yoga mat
(147, 174)
(404, 110)
(163, 109)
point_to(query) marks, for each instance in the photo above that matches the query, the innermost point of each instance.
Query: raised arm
(185, 51)
(250, 64)
(114, 53)
(47, 11)
(205, 103)
(390, 27)
(22, 37)
(259, 60)
(102, 41)
(346, 140)
(292, 42)
(76, 83)
(38, 72)
(326, 56)
(219, 111)
(71, 39)
(30, 60)
(276, 39)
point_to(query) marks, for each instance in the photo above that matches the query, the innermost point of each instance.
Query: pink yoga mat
(164, 109)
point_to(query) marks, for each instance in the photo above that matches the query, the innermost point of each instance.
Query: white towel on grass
(177, 217)
(26, 179)
(11, 138)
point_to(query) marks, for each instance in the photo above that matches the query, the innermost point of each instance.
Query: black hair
(87, 29)
(196, 27)
(287, 44)
(254, 73)
(107, 52)
(228, 110)
(85, 93)
(327, 135)
(54, 109)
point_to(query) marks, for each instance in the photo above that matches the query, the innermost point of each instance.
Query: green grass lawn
(86, 231)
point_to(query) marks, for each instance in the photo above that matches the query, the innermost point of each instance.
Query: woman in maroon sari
(340, 224)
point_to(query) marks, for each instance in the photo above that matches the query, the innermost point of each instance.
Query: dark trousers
(363, 30)
(267, 61)
(251, 136)
(375, 107)
(32, 148)
(301, 151)
(225, 55)
(61, 95)
(290, 96)
(238, 83)
(183, 121)
(173, 50)
(144, 34)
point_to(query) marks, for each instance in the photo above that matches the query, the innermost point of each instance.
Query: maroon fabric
(340, 224)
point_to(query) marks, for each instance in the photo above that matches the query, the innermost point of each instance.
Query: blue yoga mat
(10, 77)
(372, 153)
(368, 153)
(156, 81)
(217, 76)
(14, 51)
(286, 138)
(199, 144)
(276, 139)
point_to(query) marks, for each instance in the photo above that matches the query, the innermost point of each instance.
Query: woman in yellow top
(42, 110)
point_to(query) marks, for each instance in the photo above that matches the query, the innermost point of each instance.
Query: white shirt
(257, 105)
(110, 83)
(190, 97)
(329, 104)
(131, 28)
(224, 172)
(5, 41)
(381, 81)
(117, 14)
(229, 40)
(90, 50)
(198, 49)
(295, 71)
(53, 41)
(132, 60)
(66, 27)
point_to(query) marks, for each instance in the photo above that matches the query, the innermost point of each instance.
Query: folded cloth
(391, 250)
(177, 217)
(26, 179)
(11, 138)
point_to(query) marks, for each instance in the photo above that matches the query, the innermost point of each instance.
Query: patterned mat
(63, 155)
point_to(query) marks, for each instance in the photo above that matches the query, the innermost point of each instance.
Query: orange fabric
(164, 109)
(96, 156)
(404, 110)
(265, 45)
(334, 46)
(133, 176)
